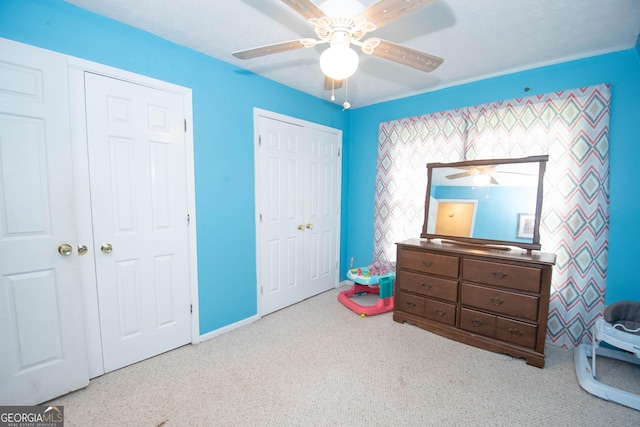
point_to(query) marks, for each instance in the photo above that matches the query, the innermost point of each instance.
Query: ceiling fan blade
(516, 173)
(385, 11)
(269, 49)
(305, 8)
(329, 83)
(407, 56)
(459, 175)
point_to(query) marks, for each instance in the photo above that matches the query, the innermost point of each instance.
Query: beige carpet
(319, 364)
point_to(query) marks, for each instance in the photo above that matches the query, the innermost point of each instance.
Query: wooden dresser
(494, 299)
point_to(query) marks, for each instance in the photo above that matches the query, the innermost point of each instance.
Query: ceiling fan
(342, 23)
(482, 175)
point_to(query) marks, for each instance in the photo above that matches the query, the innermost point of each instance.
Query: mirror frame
(534, 245)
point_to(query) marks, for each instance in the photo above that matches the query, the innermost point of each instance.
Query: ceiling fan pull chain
(346, 104)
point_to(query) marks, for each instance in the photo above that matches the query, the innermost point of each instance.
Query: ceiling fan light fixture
(482, 179)
(339, 62)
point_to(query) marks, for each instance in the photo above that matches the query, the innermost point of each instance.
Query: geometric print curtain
(404, 148)
(572, 127)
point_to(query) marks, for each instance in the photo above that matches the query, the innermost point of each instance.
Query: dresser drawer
(479, 323)
(503, 302)
(428, 285)
(440, 311)
(515, 332)
(505, 275)
(442, 265)
(409, 303)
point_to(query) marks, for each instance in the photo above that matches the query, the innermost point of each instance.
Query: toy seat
(382, 285)
(620, 328)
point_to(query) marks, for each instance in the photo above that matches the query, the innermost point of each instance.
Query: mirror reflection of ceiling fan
(342, 23)
(483, 175)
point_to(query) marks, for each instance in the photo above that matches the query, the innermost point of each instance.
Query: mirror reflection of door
(455, 218)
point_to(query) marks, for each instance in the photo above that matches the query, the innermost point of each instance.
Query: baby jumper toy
(620, 328)
(370, 280)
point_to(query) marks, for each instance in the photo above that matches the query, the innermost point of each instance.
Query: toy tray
(368, 280)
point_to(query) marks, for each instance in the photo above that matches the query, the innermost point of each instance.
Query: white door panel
(298, 197)
(42, 346)
(137, 166)
(323, 209)
(281, 191)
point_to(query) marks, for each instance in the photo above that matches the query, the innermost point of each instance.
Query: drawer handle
(426, 285)
(427, 263)
(411, 304)
(440, 312)
(496, 300)
(515, 332)
(499, 275)
(477, 322)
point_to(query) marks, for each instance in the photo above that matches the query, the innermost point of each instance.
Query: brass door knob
(65, 249)
(82, 249)
(301, 227)
(106, 248)
(309, 226)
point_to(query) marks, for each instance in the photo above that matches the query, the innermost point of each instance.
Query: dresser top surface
(507, 253)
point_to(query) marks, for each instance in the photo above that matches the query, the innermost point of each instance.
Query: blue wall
(223, 100)
(620, 69)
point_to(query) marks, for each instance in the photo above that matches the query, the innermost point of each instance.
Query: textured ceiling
(476, 38)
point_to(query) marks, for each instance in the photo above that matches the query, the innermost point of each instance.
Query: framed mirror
(488, 202)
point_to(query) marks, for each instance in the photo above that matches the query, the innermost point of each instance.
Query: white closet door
(298, 185)
(42, 349)
(322, 211)
(137, 166)
(281, 214)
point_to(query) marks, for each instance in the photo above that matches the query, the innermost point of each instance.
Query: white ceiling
(476, 38)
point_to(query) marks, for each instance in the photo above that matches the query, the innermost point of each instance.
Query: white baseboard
(228, 328)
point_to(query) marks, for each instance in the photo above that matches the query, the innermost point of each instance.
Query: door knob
(301, 227)
(309, 226)
(106, 248)
(65, 249)
(82, 249)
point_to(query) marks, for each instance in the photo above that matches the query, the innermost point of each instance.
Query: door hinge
(259, 140)
(188, 220)
(190, 308)
(338, 152)
(260, 290)
(260, 217)
(185, 125)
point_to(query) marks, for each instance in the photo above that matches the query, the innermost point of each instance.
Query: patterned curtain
(572, 127)
(404, 149)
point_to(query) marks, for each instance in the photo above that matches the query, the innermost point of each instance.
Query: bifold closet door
(137, 167)
(42, 352)
(281, 205)
(298, 210)
(322, 210)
